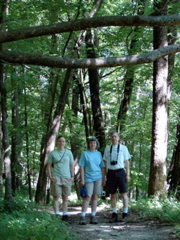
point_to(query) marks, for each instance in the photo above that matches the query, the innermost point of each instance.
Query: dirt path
(136, 228)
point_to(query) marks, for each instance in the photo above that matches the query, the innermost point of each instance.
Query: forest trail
(136, 228)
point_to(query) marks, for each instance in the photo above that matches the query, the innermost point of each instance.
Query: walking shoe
(93, 220)
(124, 217)
(65, 218)
(114, 218)
(82, 221)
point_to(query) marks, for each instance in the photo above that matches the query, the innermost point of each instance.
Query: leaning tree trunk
(174, 172)
(47, 111)
(49, 138)
(157, 181)
(98, 124)
(40, 196)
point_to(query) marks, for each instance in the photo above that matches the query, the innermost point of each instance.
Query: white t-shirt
(120, 156)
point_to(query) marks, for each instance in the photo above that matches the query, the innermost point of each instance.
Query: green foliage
(31, 87)
(177, 231)
(27, 221)
(167, 210)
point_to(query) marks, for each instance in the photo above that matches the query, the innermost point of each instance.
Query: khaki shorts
(61, 186)
(94, 188)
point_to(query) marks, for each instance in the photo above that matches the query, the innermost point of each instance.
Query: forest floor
(136, 228)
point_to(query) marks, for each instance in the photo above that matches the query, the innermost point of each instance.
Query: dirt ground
(136, 227)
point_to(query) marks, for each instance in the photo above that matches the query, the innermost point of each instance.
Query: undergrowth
(166, 210)
(25, 220)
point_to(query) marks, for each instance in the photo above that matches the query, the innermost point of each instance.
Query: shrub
(20, 220)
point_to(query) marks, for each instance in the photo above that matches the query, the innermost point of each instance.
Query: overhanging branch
(82, 24)
(55, 62)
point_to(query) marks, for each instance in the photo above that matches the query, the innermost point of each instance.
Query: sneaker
(65, 218)
(93, 220)
(114, 218)
(82, 221)
(124, 217)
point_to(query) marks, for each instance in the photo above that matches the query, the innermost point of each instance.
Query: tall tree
(98, 124)
(16, 139)
(157, 180)
(7, 162)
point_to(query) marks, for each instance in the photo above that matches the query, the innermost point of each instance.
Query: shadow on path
(136, 227)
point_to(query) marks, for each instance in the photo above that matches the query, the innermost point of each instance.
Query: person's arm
(106, 167)
(82, 175)
(72, 170)
(103, 176)
(127, 170)
(49, 171)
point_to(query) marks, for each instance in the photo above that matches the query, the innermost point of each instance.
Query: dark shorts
(116, 180)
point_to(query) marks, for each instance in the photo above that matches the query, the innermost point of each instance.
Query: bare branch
(55, 62)
(83, 24)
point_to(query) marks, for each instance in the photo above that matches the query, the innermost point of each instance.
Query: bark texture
(57, 62)
(40, 196)
(98, 125)
(157, 181)
(83, 24)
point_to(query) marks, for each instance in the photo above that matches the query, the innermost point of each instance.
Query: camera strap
(118, 147)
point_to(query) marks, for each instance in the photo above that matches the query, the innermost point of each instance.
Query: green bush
(20, 220)
(166, 210)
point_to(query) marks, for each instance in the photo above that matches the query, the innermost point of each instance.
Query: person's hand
(82, 183)
(127, 178)
(51, 178)
(104, 181)
(72, 178)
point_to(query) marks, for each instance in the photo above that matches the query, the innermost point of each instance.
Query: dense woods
(83, 68)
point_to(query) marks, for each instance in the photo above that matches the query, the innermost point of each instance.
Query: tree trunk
(50, 139)
(157, 180)
(98, 124)
(85, 110)
(16, 138)
(129, 79)
(174, 172)
(27, 147)
(75, 142)
(3, 94)
(5, 140)
(1, 157)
